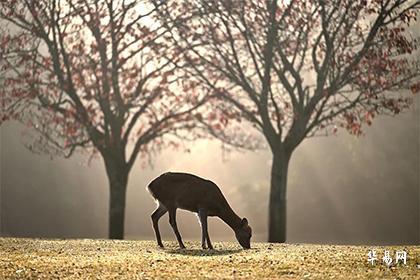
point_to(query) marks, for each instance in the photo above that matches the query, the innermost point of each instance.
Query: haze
(342, 189)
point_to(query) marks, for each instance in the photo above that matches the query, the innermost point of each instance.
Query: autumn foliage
(89, 75)
(335, 63)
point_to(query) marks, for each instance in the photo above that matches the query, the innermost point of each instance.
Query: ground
(105, 259)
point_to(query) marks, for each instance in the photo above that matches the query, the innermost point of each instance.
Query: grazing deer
(192, 193)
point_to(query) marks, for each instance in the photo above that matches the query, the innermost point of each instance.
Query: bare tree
(296, 69)
(90, 76)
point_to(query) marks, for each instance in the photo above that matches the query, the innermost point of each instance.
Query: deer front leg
(172, 221)
(203, 235)
(156, 215)
(202, 214)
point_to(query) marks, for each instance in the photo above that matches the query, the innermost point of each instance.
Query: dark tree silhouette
(89, 76)
(296, 69)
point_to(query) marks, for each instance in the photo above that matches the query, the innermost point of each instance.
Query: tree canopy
(301, 68)
(91, 75)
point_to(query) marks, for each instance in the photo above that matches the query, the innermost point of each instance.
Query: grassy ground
(104, 259)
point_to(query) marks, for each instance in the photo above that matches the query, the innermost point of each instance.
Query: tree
(297, 69)
(89, 76)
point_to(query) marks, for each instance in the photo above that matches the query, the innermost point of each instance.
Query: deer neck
(230, 218)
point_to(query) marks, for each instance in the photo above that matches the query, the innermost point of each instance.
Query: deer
(173, 190)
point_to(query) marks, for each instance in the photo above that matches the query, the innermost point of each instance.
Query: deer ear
(244, 222)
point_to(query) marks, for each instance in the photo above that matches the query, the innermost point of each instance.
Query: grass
(105, 259)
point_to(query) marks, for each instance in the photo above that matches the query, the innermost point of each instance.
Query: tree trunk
(277, 203)
(118, 178)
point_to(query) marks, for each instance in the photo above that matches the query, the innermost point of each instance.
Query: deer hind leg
(156, 215)
(202, 215)
(172, 221)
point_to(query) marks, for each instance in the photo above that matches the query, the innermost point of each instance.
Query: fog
(341, 190)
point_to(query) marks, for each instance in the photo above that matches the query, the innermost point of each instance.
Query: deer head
(243, 234)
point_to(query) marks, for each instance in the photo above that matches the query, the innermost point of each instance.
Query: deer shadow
(202, 252)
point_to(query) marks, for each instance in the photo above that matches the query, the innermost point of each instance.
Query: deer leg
(203, 236)
(202, 214)
(156, 215)
(172, 221)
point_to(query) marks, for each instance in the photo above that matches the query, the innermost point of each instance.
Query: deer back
(187, 191)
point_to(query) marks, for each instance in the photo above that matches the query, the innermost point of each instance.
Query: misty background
(341, 189)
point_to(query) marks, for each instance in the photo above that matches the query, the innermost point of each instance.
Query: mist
(341, 189)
